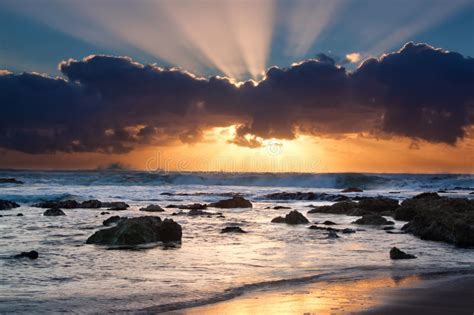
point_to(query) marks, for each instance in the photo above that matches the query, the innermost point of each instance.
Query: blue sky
(37, 35)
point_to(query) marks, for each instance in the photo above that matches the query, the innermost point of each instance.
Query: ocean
(208, 266)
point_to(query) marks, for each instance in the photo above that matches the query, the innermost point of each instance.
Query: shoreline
(411, 294)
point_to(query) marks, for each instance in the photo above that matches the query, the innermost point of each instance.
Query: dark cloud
(113, 104)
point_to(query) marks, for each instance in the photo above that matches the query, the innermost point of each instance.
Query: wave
(298, 180)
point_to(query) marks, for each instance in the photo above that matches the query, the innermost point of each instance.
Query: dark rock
(152, 208)
(10, 181)
(172, 206)
(373, 219)
(53, 212)
(7, 205)
(31, 255)
(193, 212)
(333, 234)
(329, 223)
(19, 215)
(104, 213)
(235, 202)
(425, 195)
(378, 205)
(395, 232)
(194, 206)
(388, 228)
(343, 207)
(91, 204)
(112, 220)
(65, 204)
(305, 196)
(278, 220)
(232, 229)
(348, 231)
(323, 228)
(294, 217)
(395, 253)
(281, 207)
(115, 205)
(136, 231)
(352, 189)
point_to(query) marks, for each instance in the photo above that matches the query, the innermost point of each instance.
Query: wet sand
(381, 295)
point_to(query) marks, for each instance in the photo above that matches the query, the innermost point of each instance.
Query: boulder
(352, 189)
(104, 213)
(91, 204)
(137, 231)
(293, 218)
(19, 215)
(112, 220)
(7, 205)
(305, 196)
(327, 222)
(235, 202)
(31, 255)
(342, 207)
(10, 181)
(53, 212)
(348, 231)
(395, 253)
(115, 206)
(232, 229)
(194, 206)
(323, 228)
(373, 219)
(152, 208)
(281, 207)
(333, 234)
(64, 204)
(378, 205)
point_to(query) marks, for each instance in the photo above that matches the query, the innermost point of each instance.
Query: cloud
(353, 57)
(112, 104)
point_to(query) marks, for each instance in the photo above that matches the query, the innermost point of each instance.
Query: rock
(329, 223)
(305, 196)
(136, 231)
(19, 215)
(342, 207)
(65, 204)
(235, 202)
(425, 195)
(193, 212)
(348, 231)
(115, 206)
(152, 208)
(281, 207)
(31, 255)
(332, 234)
(278, 220)
(7, 205)
(104, 213)
(373, 219)
(53, 212)
(352, 189)
(10, 181)
(112, 220)
(294, 217)
(471, 193)
(232, 229)
(91, 204)
(388, 228)
(395, 253)
(194, 206)
(395, 232)
(323, 228)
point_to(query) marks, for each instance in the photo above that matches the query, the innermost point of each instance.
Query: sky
(257, 86)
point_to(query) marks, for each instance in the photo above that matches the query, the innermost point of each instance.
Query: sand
(379, 295)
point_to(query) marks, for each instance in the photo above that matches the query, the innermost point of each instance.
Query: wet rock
(329, 223)
(10, 181)
(305, 196)
(31, 255)
(281, 207)
(235, 202)
(323, 228)
(352, 189)
(136, 231)
(427, 195)
(373, 219)
(53, 212)
(104, 213)
(232, 229)
(7, 205)
(113, 220)
(91, 204)
(348, 231)
(193, 212)
(194, 206)
(333, 234)
(395, 253)
(152, 208)
(395, 232)
(378, 205)
(343, 207)
(19, 215)
(293, 218)
(64, 204)
(115, 206)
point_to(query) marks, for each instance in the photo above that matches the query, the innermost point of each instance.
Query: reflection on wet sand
(317, 298)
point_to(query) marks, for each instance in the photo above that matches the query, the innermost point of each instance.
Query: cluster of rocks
(294, 217)
(305, 196)
(365, 205)
(138, 231)
(88, 204)
(7, 205)
(234, 202)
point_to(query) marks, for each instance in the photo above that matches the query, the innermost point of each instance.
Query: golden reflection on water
(318, 298)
